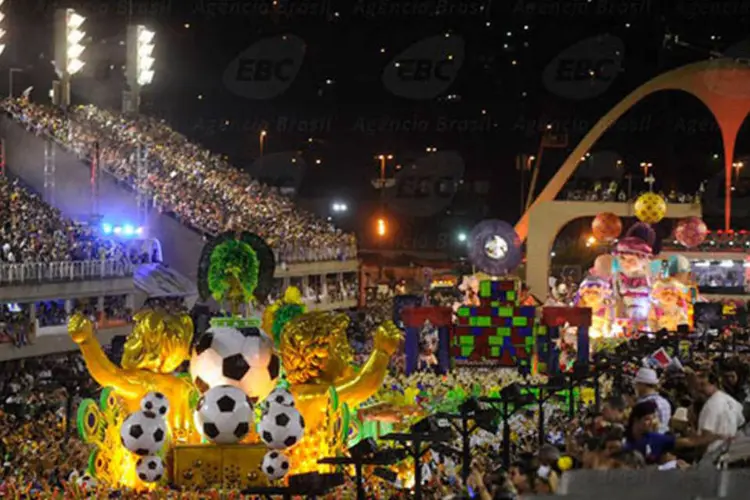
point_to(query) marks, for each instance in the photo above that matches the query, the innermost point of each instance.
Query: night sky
(498, 102)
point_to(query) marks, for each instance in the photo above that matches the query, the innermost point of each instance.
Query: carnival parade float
(264, 396)
(272, 390)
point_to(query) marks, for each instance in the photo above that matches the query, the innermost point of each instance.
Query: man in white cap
(646, 383)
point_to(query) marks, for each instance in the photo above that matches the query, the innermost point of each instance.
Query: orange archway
(723, 85)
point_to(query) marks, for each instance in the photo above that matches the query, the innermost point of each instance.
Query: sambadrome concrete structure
(723, 85)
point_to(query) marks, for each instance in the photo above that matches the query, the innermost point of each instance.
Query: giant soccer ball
(280, 397)
(155, 402)
(224, 414)
(281, 426)
(149, 469)
(242, 358)
(144, 433)
(275, 465)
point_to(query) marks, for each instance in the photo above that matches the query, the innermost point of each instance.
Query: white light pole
(68, 50)
(10, 79)
(2, 26)
(139, 65)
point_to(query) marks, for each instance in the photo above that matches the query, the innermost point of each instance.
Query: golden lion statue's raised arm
(316, 356)
(157, 345)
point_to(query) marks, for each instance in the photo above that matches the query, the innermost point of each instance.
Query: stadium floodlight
(2, 30)
(145, 61)
(139, 65)
(74, 37)
(69, 47)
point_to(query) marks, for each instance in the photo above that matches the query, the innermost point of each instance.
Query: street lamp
(737, 167)
(68, 51)
(10, 77)
(646, 166)
(381, 227)
(139, 65)
(383, 159)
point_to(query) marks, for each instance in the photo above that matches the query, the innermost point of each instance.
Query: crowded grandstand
(200, 188)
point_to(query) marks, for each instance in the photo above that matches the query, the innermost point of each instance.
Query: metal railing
(40, 272)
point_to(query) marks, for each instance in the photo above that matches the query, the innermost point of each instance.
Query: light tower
(2, 26)
(68, 50)
(139, 65)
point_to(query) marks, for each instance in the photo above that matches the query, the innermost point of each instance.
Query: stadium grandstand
(54, 261)
(199, 188)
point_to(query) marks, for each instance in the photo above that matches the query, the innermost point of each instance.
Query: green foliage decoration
(233, 260)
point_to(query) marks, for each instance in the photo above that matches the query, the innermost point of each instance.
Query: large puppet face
(632, 263)
(593, 297)
(666, 296)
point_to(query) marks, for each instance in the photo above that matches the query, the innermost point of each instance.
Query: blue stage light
(107, 228)
(139, 231)
(117, 230)
(128, 230)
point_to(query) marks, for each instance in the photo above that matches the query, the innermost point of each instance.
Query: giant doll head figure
(632, 280)
(596, 293)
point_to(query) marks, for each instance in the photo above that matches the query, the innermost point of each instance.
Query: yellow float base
(234, 466)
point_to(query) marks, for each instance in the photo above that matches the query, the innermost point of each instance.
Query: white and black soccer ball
(280, 397)
(155, 402)
(86, 481)
(149, 469)
(281, 427)
(275, 465)
(144, 433)
(224, 414)
(241, 357)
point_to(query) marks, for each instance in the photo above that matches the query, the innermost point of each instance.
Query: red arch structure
(723, 85)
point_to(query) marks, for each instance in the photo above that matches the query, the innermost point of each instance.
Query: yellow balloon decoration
(650, 208)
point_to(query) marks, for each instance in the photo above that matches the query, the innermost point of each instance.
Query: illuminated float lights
(716, 240)
(122, 230)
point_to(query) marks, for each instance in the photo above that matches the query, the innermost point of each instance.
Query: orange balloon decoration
(691, 231)
(606, 226)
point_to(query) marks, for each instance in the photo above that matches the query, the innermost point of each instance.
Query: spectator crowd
(663, 418)
(33, 231)
(199, 188)
(612, 190)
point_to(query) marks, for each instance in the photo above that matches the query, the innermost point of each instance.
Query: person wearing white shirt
(721, 414)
